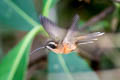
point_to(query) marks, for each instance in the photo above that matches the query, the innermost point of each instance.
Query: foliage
(21, 15)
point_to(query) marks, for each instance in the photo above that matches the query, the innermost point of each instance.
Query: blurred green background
(21, 33)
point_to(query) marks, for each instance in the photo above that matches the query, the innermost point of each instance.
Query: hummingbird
(65, 41)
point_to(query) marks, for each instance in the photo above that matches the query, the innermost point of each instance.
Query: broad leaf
(13, 66)
(69, 67)
(18, 14)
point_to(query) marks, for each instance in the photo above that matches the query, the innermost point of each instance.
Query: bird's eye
(53, 46)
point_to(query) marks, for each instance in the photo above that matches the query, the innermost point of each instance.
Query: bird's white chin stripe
(48, 47)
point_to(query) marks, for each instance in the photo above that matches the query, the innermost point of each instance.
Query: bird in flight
(65, 41)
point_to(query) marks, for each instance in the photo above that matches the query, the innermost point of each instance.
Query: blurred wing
(72, 29)
(88, 38)
(53, 30)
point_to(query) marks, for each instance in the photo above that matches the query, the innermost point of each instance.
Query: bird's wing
(53, 30)
(72, 30)
(89, 38)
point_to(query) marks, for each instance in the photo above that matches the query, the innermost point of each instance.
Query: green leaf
(48, 4)
(13, 66)
(1, 51)
(18, 14)
(51, 3)
(69, 67)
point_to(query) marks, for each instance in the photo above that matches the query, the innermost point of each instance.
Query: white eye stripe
(52, 43)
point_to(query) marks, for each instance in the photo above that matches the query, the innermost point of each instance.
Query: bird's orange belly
(66, 49)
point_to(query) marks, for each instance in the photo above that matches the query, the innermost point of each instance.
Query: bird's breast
(65, 49)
